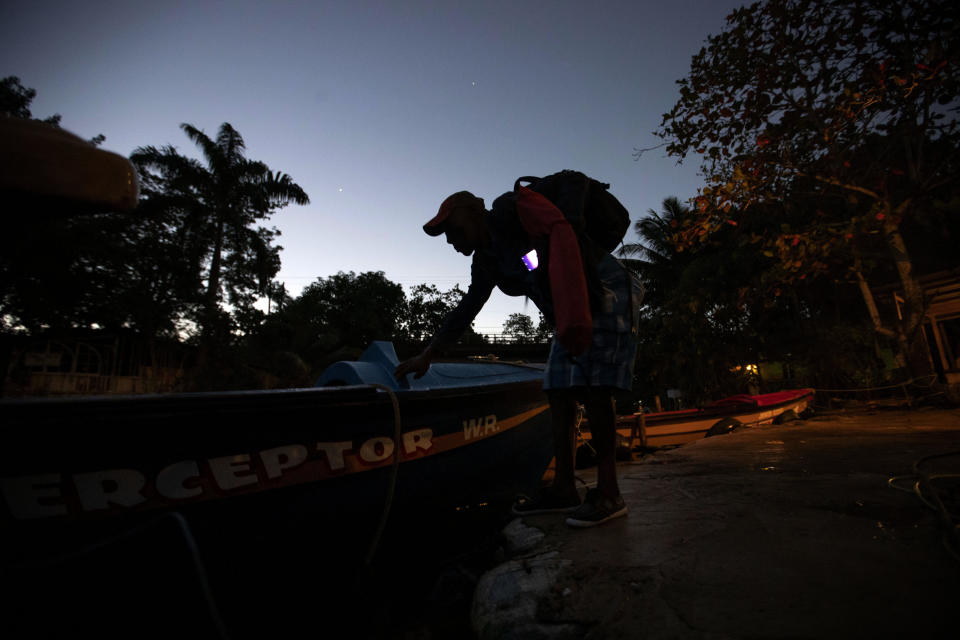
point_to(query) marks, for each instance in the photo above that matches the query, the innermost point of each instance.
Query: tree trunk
(210, 306)
(903, 347)
(868, 299)
(213, 281)
(911, 325)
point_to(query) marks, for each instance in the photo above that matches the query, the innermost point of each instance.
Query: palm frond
(176, 171)
(230, 143)
(211, 151)
(283, 189)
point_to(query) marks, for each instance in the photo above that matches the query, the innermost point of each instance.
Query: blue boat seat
(378, 362)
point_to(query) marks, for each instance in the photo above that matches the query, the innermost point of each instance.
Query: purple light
(531, 260)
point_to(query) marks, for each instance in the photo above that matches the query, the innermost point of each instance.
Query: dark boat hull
(78, 470)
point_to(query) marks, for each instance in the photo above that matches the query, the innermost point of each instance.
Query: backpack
(597, 218)
(587, 204)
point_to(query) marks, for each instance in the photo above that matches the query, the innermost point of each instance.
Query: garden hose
(923, 487)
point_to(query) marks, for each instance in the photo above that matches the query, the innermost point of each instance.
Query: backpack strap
(527, 179)
(568, 285)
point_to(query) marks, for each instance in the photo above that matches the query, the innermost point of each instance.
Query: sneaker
(546, 502)
(597, 509)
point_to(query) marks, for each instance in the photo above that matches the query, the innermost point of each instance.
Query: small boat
(665, 428)
(464, 434)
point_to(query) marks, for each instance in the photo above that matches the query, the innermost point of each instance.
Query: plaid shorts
(609, 360)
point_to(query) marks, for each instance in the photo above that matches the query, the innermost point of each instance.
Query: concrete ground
(786, 531)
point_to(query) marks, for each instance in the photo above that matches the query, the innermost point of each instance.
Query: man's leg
(563, 409)
(561, 495)
(603, 503)
(603, 423)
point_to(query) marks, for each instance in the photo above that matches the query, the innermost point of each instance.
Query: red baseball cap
(459, 200)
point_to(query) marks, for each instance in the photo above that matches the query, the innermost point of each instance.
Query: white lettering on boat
(61, 494)
(34, 496)
(376, 449)
(419, 439)
(232, 472)
(279, 458)
(114, 487)
(172, 480)
(334, 452)
(479, 427)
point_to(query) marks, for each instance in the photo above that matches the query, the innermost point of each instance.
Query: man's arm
(457, 321)
(454, 324)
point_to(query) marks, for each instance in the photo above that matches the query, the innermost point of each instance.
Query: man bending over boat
(498, 242)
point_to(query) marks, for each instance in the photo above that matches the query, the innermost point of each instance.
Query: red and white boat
(678, 427)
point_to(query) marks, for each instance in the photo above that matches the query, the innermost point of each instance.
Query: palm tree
(656, 258)
(215, 207)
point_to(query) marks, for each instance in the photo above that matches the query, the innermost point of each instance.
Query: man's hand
(417, 365)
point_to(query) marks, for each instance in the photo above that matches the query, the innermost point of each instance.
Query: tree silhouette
(520, 327)
(544, 330)
(657, 258)
(218, 205)
(848, 108)
(723, 302)
(51, 276)
(425, 309)
(335, 317)
(15, 101)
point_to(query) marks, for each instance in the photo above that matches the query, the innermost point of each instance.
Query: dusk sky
(378, 110)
